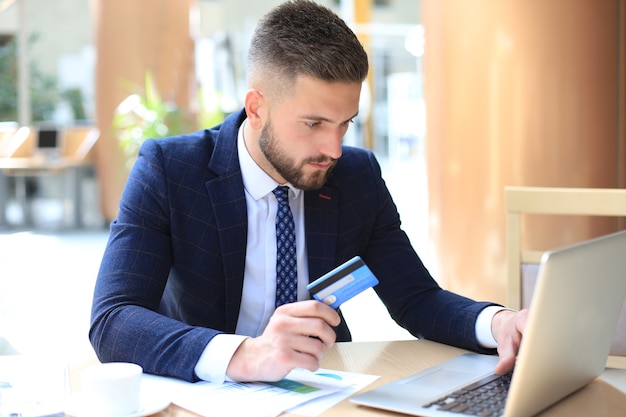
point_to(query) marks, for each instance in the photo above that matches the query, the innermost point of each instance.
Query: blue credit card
(342, 283)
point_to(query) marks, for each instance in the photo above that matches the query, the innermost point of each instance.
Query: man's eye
(312, 124)
(347, 123)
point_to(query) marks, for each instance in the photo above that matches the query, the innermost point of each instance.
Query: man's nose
(331, 145)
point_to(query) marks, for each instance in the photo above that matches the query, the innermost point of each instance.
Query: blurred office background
(78, 63)
(73, 62)
(463, 98)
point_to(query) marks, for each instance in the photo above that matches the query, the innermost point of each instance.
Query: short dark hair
(300, 37)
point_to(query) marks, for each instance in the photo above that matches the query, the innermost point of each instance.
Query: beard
(291, 170)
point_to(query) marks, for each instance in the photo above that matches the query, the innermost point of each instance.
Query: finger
(508, 353)
(509, 348)
(312, 309)
(308, 345)
(298, 352)
(306, 361)
(308, 333)
(287, 329)
(506, 363)
(522, 319)
(303, 320)
(325, 336)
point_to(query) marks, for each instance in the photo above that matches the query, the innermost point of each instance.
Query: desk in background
(19, 161)
(20, 169)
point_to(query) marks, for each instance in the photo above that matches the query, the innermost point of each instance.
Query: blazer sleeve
(413, 298)
(125, 322)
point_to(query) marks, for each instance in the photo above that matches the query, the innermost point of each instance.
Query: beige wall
(518, 92)
(133, 37)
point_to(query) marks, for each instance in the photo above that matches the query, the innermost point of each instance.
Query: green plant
(146, 115)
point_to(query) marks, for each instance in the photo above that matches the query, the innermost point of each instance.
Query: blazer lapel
(226, 194)
(321, 209)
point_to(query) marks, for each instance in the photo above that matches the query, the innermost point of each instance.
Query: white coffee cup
(112, 389)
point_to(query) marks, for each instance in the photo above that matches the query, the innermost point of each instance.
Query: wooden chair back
(523, 263)
(79, 141)
(17, 144)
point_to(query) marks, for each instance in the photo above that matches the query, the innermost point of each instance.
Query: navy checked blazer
(172, 273)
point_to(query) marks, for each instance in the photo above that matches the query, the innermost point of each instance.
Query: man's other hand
(508, 328)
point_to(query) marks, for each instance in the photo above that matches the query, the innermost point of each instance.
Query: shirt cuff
(216, 356)
(483, 326)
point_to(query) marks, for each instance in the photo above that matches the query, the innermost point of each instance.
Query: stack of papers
(301, 392)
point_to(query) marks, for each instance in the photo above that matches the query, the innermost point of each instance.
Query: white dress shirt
(260, 269)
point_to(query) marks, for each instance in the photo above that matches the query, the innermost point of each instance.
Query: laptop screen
(48, 139)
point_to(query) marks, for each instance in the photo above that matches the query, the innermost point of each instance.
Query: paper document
(353, 382)
(258, 399)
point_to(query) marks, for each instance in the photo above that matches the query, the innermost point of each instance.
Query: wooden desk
(18, 159)
(21, 168)
(393, 360)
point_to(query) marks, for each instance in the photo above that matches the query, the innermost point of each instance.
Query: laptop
(573, 315)
(49, 143)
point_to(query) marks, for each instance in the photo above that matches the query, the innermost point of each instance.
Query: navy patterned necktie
(286, 260)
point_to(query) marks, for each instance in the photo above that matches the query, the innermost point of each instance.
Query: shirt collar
(256, 181)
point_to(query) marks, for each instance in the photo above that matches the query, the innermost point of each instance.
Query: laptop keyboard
(484, 398)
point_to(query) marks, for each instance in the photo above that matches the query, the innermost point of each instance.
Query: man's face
(301, 137)
(290, 169)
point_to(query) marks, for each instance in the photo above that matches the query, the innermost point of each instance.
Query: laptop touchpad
(442, 379)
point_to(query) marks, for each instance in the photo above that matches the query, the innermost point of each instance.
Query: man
(187, 284)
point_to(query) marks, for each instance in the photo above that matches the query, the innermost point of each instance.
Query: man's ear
(256, 108)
